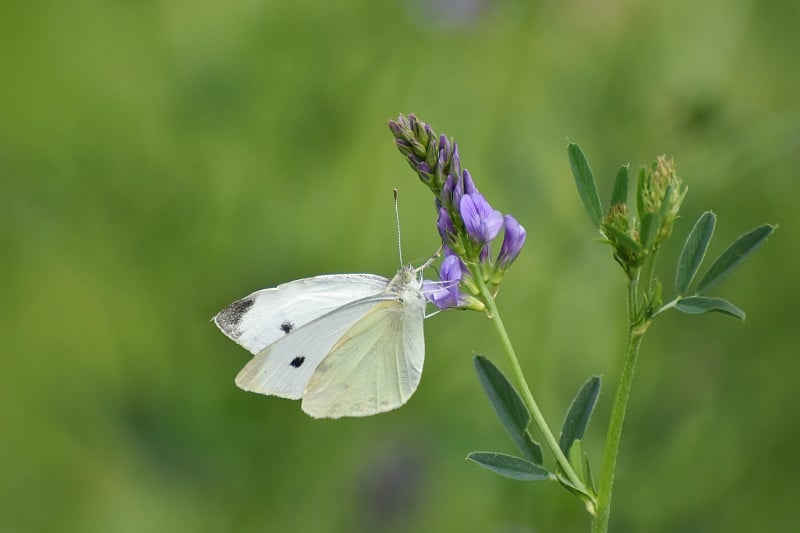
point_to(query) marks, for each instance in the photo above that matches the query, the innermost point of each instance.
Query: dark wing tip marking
(297, 361)
(287, 326)
(229, 318)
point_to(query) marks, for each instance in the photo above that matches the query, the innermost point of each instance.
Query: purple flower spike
(481, 221)
(513, 241)
(445, 226)
(445, 294)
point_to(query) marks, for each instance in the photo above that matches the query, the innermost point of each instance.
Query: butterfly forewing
(375, 366)
(265, 316)
(285, 367)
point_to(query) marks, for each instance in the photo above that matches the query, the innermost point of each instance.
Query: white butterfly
(347, 344)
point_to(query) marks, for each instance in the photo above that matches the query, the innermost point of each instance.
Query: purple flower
(455, 164)
(481, 221)
(461, 184)
(440, 167)
(444, 146)
(485, 252)
(513, 241)
(404, 146)
(448, 191)
(448, 252)
(445, 226)
(445, 294)
(468, 184)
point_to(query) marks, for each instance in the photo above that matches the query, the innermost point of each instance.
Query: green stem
(633, 297)
(527, 396)
(635, 334)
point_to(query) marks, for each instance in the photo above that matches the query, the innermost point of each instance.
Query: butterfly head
(406, 277)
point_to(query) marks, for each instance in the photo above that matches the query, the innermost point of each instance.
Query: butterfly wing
(265, 316)
(285, 367)
(375, 366)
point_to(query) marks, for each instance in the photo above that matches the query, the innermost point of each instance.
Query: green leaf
(695, 305)
(510, 466)
(587, 187)
(694, 250)
(733, 256)
(579, 413)
(665, 203)
(651, 223)
(575, 458)
(640, 191)
(567, 484)
(620, 193)
(509, 407)
(590, 484)
(622, 238)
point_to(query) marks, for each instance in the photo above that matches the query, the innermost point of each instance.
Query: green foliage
(694, 249)
(733, 257)
(511, 467)
(587, 188)
(694, 305)
(509, 407)
(620, 193)
(579, 413)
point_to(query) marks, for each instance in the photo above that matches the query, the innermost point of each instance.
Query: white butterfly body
(347, 344)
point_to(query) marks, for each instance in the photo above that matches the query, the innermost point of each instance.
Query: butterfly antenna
(397, 220)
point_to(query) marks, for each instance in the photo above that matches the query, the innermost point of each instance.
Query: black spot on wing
(297, 361)
(287, 326)
(229, 318)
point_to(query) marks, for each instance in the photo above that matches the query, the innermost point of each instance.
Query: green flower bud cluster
(661, 192)
(659, 195)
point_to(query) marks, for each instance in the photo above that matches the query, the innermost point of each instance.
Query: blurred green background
(160, 159)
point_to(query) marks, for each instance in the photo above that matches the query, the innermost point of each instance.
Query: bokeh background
(161, 159)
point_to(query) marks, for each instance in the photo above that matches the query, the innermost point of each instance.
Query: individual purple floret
(449, 191)
(481, 221)
(513, 241)
(445, 226)
(467, 183)
(445, 293)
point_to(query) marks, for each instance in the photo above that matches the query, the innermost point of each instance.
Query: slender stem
(635, 334)
(633, 298)
(519, 377)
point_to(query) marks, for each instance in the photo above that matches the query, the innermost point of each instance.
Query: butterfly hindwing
(265, 316)
(285, 367)
(375, 366)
